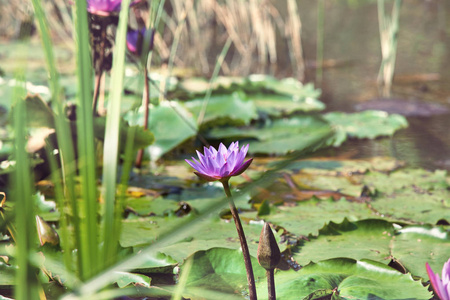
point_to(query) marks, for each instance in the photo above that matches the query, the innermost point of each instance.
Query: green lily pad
(379, 240)
(280, 136)
(307, 217)
(286, 86)
(415, 245)
(353, 279)
(7, 273)
(361, 239)
(333, 167)
(222, 84)
(143, 231)
(220, 269)
(142, 138)
(38, 113)
(414, 207)
(422, 181)
(366, 124)
(171, 125)
(225, 109)
(277, 105)
(124, 279)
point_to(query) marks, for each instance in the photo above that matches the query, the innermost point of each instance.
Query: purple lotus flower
(103, 7)
(134, 40)
(441, 286)
(222, 164)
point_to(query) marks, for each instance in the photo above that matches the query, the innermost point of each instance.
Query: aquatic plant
(103, 7)
(221, 165)
(269, 257)
(441, 286)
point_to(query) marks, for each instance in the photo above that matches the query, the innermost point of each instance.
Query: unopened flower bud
(268, 252)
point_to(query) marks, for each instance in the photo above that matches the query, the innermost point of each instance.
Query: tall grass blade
(90, 260)
(187, 266)
(126, 170)
(388, 27)
(217, 67)
(63, 134)
(110, 151)
(27, 285)
(320, 40)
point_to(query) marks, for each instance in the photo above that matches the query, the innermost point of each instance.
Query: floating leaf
(46, 233)
(222, 270)
(142, 138)
(336, 167)
(7, 273)
(307, 217)
(277, 105)
(286, 86)
(227, 109)
(366, 124)
(124, 278)
(415, 245)
(353, 279)
(281, 136)
(39, 113)
(171, 125)
(361, 239)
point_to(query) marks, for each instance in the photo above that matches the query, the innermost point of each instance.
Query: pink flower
(103, 7)
(134, 38)
(441, 286)
(222, 164)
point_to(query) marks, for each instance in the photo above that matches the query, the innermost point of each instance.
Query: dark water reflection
(351, 40)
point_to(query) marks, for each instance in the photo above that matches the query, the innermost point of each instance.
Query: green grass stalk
(110, 152)
(126, 170)
(89, 243)
(63, 134)
(388, 28)
(174, 48)
(179, 289)
(27, 284)
(217, 67)
(320, 40)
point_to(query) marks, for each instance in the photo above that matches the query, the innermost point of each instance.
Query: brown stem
(98, 78)
(145, 103)
(99, 66)
(271, 284)
(245, 252)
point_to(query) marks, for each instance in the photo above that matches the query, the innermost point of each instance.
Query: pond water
(351, 44)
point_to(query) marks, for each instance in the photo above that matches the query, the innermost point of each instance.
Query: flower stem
(271, 284)
(245, 252)
(98, 66)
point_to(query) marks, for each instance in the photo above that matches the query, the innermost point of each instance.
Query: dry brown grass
(260, 33)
